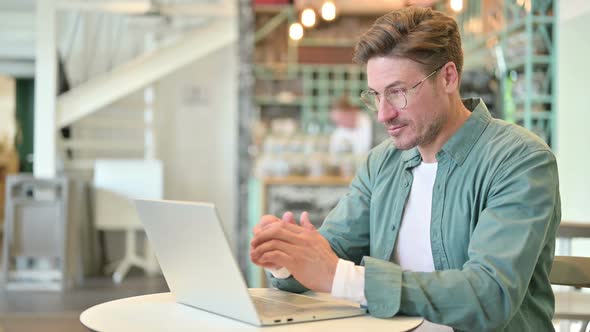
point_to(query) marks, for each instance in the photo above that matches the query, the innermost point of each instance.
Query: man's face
(420, 122)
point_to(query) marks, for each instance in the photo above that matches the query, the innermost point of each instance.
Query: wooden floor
(27, 311)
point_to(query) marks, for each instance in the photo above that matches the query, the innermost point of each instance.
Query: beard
(415, 137)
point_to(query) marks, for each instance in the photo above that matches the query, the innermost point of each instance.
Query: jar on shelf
(316, 165)
(297, 164)
(348, 165)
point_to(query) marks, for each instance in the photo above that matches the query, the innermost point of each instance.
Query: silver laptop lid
(195, 257)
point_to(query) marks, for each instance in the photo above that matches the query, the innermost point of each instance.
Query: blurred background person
(353, 132)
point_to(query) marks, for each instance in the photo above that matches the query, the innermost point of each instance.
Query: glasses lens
(397, 99)
(370, 100)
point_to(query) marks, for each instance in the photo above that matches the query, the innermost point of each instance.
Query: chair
(116, 183)
(572, 305)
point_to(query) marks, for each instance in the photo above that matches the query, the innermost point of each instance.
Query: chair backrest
(116, 183)
(571, 271)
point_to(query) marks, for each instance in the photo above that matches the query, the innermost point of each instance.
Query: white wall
(573, 112)
(196, 132)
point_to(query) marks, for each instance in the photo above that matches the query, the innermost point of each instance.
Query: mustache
(395, 123)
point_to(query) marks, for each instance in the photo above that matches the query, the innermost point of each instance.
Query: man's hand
(269, 219)
(266, 220)
(299, 248)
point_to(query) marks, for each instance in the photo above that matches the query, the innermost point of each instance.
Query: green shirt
(495, 213)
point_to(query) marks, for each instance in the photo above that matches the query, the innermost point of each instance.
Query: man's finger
(305, 222)
(267, 247)
(256, 260)
(277, 258)
(268, 219)
(273, 245)
(264, 221)
(273, 233)
(289, 217)
(279, 231)
(291, 227)
(265, 265)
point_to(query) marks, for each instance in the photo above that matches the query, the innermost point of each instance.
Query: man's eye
(395, 91)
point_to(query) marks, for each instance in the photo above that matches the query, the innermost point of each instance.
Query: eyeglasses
(396, 97)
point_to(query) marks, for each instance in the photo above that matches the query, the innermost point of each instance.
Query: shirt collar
(461, 143)
(410, 154)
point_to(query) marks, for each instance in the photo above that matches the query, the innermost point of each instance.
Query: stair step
(80, 164)
(110, 123)
(103, 145)
(131, 103)
(118, 113)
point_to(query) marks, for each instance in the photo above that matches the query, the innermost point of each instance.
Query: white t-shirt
(412, 248)
(356, 140)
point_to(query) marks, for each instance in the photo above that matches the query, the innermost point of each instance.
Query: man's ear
(450, 77)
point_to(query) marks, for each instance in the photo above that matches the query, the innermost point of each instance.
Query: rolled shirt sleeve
(349, 282)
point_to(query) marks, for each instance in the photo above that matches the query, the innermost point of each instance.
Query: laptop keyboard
(291, 298)
(273, 308)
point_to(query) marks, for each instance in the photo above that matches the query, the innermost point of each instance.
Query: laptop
(197, 263)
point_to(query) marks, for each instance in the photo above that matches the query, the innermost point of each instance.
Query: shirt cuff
(280, 273)
(349, 282)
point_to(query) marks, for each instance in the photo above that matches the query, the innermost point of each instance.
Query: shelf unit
(517, 38)
(310, 88)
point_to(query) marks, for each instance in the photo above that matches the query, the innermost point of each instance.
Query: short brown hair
(421, 34)
(343, 103)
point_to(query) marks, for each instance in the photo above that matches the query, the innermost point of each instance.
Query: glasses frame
(372, 100)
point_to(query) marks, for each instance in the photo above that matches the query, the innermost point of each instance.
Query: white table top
(160, 312)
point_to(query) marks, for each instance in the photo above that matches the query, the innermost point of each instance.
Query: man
(353, 128)
(453, 219)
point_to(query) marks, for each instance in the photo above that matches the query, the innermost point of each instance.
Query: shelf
(291, 68)
(272, 100)
(536, 60)
(269, 77)
(524, 39)
(328, 42)
(312, 89)
(270, 9)
(265, 73)
(522, 23)
(535, 99)
(546, 115)
(481, 43)
(307, 180)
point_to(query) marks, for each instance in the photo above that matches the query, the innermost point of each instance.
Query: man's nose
(386, 112)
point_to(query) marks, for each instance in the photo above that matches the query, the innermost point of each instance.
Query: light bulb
(328, 11)
(296, 31)
(308, 17)
(457, 5)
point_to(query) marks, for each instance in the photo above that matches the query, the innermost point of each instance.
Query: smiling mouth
(394, 130)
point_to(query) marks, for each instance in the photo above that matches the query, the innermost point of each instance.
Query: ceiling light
(296, 31)
(308, 17)
(328, 11)
(457, 5)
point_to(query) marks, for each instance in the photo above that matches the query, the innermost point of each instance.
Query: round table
(161, 312)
